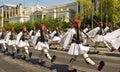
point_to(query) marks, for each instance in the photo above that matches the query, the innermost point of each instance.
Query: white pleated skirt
(99, 38)
(2, 41)
(23, 43)
(11, 42)
(56, 39)
(116, 43)
(77, 49)
(41, 45)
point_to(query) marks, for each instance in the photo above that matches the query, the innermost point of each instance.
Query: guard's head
(87, 25)
(24, 28)
(42, 26)
(57, 27)
(12, 28)
(3, 29)
(108, 23)
(100, 23)
(34, 28)
(77, 22)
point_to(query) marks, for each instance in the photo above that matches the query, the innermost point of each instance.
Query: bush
(48, 22)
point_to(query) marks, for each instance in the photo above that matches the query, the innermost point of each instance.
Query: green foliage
(113, 10)
(48, 22)
(86, 6)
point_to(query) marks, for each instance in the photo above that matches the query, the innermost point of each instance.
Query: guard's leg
(27, 52)
(41, 56)
(111, 48)
(96, 50)
(14, 49)
(72, 60)
(5, 49)
(89, 61)
(48, 55)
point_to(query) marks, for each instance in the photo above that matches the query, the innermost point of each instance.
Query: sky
(46, 3)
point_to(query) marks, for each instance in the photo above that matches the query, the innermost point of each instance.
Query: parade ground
(112, 62)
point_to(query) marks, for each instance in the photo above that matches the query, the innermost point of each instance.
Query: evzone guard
(101, 35)
(66, 38)
(77, 49)
(3, 40)
(32, 34)
(86, 30)
(56, 35)
(12, 41)
(22, 42)
(42, 45)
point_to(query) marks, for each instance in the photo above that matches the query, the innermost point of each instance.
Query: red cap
(100, 23)
(108, 23)
(57, 26)
(41, 25)
(76, 21)
(24, 27)
(12, 27)
(48, 26)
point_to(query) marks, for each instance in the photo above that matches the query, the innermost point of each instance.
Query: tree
(113, 10)
(85, 8)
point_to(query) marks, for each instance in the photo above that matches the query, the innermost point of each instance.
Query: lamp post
(101, 9)
(92, 13)
(106, 12)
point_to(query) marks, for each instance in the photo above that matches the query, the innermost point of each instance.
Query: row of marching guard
(75, 37)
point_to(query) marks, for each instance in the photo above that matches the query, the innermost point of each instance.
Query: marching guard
(42, 45)
(3, 40)
(32, 34)
(77, 49)
(12, 41)
(22, 41)
(56, 35)
(86, 30)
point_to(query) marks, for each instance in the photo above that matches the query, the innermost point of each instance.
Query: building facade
(16, 13)
(6, 11)
(65, 12)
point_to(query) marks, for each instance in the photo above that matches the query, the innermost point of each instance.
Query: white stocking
(48, 55)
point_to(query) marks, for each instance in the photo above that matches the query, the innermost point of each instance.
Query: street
(112, 62)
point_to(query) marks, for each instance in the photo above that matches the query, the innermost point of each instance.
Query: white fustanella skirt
(42, 45)
(77, 49)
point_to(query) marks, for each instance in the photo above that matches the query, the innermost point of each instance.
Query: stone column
(5, 12)
(67, 15)
(9, 12)
(2, 17)
(55, 13)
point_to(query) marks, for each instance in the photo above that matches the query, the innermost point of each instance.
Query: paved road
(112, 62)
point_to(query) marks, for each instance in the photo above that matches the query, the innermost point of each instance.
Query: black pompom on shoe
(24, 57)
(74, 70)
(18, 51)
(13, 55)
(30, 54)
(101, 64)
(53, 58)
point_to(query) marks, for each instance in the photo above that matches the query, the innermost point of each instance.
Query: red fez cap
(23, 27)
(108, 23)
(100, 23)
(41, 25)
(3, 28)
(56, 27)
(76, 21)
(48, 26)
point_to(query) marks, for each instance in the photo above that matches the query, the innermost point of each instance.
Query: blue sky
(33, 2)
